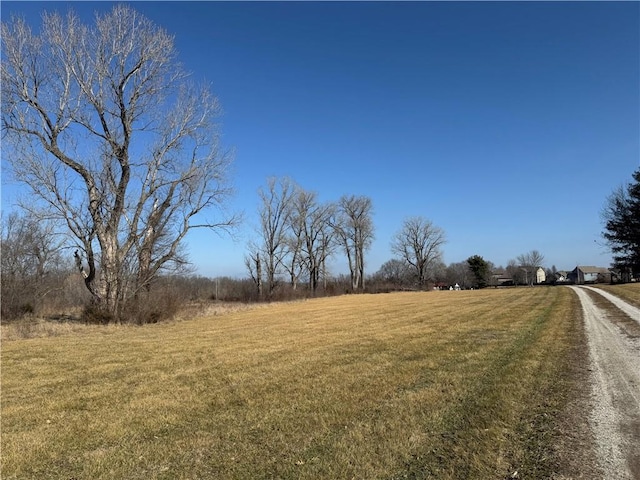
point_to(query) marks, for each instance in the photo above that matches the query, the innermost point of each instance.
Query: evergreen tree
(622, 226)
(481, 270)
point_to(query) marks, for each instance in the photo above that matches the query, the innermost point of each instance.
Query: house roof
(591, 269)
(502, 276)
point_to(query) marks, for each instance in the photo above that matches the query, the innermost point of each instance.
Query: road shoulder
(574, 445)
(615, 384)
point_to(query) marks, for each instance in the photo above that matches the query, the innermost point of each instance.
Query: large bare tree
(274, 211)
(353, 226)
(105, 127)
(418, 243)
(293, 261)
(310, 222)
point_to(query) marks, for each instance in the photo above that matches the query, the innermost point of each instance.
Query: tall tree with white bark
(113, 139)
(310, 222)
(353, 227)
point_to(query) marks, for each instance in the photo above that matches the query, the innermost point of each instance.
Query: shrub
(95, 314)
(157, 305)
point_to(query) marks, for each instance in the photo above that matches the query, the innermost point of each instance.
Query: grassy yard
(445, 385)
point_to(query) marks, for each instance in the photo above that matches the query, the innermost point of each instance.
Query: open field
(444, 385)
(629, 292)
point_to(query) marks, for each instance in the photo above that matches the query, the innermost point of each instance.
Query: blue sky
(507, 124)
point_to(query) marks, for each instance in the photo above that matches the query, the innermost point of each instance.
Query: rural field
(447, 385)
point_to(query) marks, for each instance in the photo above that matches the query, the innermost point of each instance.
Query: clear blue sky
(506, 124)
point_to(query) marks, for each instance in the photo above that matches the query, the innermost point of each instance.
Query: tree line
(39, 276)
(297, 234)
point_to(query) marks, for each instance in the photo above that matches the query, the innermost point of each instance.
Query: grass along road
(629, 292)
(440, 385)
(612, 329)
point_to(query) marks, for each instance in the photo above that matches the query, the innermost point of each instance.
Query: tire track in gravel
(630, 310)
(615, 365)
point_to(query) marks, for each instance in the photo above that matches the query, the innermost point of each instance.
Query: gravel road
(615, 367)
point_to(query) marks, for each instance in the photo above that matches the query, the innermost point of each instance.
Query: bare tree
(310, 222)
(516, 272)
(32, 264)
(274, 212)
(418, 243)
(353, 227)
(529, 263)
(459, 273)
(395, 273)
(293, 260)
(253, 262)
(105, 128)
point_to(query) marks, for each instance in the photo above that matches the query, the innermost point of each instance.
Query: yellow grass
(627, 291)
(407, 385)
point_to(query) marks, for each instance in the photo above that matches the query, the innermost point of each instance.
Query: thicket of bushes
(63, 296)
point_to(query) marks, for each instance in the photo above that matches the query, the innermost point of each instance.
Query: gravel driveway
(614, 351)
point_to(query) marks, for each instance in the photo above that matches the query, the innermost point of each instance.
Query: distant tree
(621, 216)
(293, 260)
(438, 271)
(492, 280)
(310, 220)
(529, 263)
(274, 211)
(550, 274)
(481, 270)
(460, 273)
(253, 262)
(103, 126)
(418, 243)
(353, 227)
(31, 264)
(516, 272)
(395, 272)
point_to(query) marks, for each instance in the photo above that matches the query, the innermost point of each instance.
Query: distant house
(562, 276)
(541, 276)
(501, 278)
(589, 274)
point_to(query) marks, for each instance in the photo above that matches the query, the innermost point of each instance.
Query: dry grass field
(629, 292)
(444, 385)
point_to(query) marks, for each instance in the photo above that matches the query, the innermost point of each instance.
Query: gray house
(589, 274)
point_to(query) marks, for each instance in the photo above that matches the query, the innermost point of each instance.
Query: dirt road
(614, 351)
